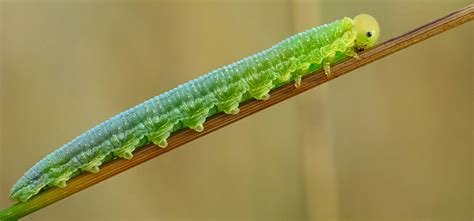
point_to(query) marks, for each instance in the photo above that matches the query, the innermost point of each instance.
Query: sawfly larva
(188, 105)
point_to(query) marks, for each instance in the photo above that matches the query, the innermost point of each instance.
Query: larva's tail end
(23, 198)
(19, 196)
(368, 31)
(12, 197)
(16, 193)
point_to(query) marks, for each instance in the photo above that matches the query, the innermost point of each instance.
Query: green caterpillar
(188, 105)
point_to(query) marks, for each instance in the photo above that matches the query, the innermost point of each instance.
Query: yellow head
(367, 30)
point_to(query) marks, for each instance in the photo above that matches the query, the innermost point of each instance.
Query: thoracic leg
(351, 53)
(297, 82)
(327, 68)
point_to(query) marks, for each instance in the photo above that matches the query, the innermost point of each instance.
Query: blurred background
(392, 141)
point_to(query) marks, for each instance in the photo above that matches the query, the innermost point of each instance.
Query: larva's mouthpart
(368, 31)
(188, 105)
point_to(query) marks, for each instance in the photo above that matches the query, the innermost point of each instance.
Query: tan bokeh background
(392, 141)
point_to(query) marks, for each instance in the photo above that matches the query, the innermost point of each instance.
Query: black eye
(368, 34)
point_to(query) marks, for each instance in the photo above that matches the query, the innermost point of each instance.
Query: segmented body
(188, 105)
